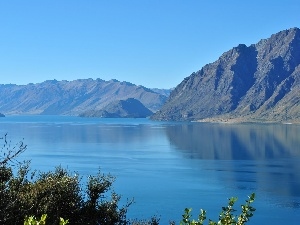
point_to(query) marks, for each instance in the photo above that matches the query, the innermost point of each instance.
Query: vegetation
(226, 216)
(33, 221)
(59, 194)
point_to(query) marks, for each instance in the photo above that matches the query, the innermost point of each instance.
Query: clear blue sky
(155, 43)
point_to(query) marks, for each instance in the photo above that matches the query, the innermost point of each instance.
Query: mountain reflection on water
(264, 157)
(236, 141)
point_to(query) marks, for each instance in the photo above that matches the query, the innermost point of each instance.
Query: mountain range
(260, 82)
(54, 97)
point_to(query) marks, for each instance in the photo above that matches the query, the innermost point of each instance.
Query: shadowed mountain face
(259, 82)
(73, 97)
(129, 108)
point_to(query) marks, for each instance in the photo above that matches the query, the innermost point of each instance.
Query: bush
(226, 216)
(56, 193)
(33, 221)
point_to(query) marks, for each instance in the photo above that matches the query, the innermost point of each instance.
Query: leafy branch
(226, 216)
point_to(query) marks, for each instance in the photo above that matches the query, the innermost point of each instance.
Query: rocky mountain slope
(129, 108)
(72, 97)
(260, 82)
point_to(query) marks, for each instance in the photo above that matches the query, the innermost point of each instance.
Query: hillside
(129, 108)
(72, 97)
(260, 82)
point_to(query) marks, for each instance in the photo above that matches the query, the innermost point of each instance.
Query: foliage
(56, 193)
(31, 220)
(226, 216)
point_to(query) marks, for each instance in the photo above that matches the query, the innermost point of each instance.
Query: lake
(168, 166)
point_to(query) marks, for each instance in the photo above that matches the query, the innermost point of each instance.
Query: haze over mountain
(54, 97)
(260, 82)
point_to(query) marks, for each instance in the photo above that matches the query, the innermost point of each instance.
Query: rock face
(258, 82)
(73, 97)
(129, 108)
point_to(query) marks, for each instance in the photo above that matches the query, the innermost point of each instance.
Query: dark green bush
(56, 193)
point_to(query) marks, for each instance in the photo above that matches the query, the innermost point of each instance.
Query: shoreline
(243, 120)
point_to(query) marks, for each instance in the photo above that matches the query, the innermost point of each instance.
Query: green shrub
(56, 193)
(226, 216)
(31, 220)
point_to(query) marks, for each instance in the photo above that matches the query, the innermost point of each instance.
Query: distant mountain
(260, 82)
(165, 92)
(2, 115)
(129, 108)
(73, 97)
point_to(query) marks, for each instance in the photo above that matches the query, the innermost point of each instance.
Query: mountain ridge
(72, 97)
(259, 82)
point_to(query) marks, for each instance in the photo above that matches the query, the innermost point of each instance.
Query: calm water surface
(169, 166)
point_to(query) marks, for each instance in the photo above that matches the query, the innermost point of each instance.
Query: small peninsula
(129, 108)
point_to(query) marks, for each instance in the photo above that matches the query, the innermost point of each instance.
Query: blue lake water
(167, 166)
